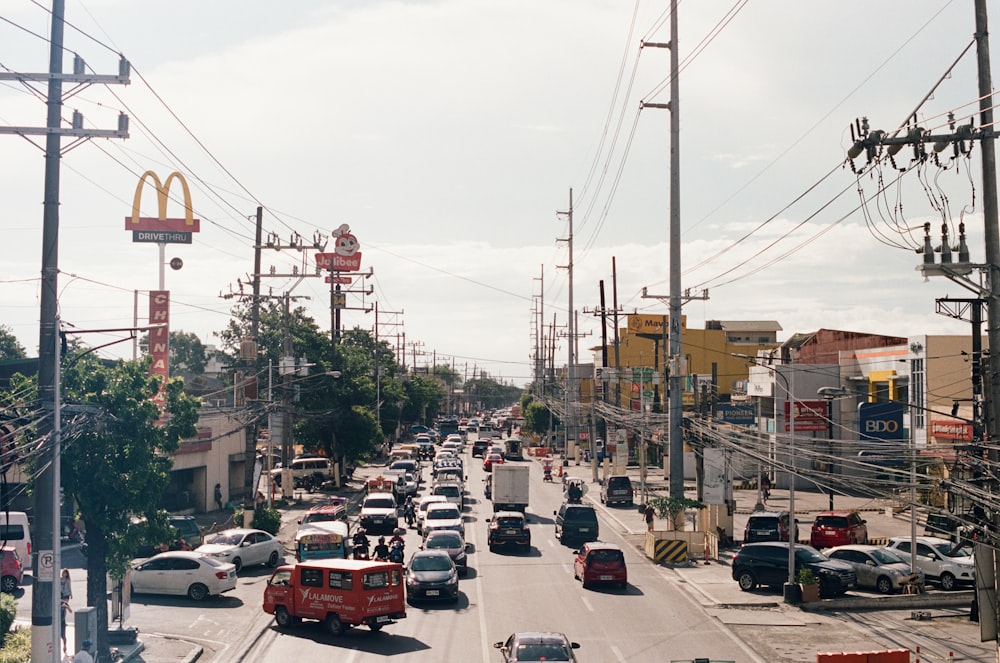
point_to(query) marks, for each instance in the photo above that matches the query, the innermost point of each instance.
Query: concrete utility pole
(45, 528)
(570, 331)
(676, 403)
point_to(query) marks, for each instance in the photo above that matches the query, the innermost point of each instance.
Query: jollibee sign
(345, 256)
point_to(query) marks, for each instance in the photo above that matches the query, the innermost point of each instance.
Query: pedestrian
(65, 586)
(86, 653)
(765, 486)
(62, 621)
(218, 496)
(648, 514)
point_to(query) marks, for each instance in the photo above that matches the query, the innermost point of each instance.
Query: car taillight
(221, 575)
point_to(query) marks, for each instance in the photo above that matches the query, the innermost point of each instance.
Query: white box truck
(510, 487)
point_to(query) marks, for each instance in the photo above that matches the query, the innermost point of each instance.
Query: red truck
(338, 592)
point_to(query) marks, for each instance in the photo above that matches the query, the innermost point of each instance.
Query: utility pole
(675, 384)
(570, 393)
(45, 528)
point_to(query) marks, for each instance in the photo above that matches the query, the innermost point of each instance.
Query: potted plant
(809, 585)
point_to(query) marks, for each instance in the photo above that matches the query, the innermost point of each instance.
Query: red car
(11, 570)
(600, 563)
(838, 528)
(491, 460)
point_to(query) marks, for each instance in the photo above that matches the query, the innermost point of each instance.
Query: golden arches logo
(161, 222)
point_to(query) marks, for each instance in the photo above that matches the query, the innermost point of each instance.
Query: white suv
(939, 560)
(318, 467)
(378, 512)
(443, 515)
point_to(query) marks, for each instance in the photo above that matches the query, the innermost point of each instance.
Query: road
(653, 620)
(657, 618)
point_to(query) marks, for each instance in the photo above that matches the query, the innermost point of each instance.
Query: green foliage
(671, 507)
(267, 519)
(10, 347)
(16, 646)
(536, 417)
(8, 610)
(806, 577)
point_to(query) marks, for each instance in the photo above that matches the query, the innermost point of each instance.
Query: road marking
(618, 654)
(584, 601)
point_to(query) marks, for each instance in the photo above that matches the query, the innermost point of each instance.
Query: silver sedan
(881, 569)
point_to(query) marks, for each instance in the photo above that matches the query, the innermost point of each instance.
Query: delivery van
(338, 592)
(14, 531)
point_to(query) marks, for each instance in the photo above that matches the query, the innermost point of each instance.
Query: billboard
(880, 421)
(160, 229)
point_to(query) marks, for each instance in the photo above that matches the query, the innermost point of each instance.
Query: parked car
(431, 575)
(941, 561)
(452, 543)
(243, 547)
(508, 529)
(11, 570)
(768, 526)
(183, 572)
(878, 568)
(576, 522)
(766, 563)
(537, 646)
(186, 536)
(598, 562)
(838, 528)
(316, 467)
(617, 490)
(378, 513)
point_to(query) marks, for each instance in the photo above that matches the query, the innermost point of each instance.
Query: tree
(537, 418)
(673, 508)
(10, 347)
(116, 463)
(187, 353)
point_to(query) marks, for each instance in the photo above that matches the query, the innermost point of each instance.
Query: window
(281, 579)
(312, 577)
(341, 580)
(11, 532)
(917, 392)
(376, 580)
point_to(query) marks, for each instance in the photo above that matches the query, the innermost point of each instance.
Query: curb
(899, 602)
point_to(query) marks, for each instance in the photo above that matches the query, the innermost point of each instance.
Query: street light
(790, 590)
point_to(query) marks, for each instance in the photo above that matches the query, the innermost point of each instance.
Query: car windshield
(320, 517)
(444, 541)
(884, 556)
(447, 491)
(546, 651)
(443, 514)
(831, 521)
(430, 563)
(762, 522)
(508, 522)
(225, 539)
(807, 554)
(947, 549)
(211, 561)
(607, 556)
(379, 503)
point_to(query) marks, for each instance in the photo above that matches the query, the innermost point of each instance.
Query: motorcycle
(547, 474)
(409, 514)
(396, 552)
(361, 547)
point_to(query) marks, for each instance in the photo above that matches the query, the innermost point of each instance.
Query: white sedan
(183, 572)
(243, 547)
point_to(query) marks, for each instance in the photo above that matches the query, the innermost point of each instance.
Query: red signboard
(159, 346)
(343, 280)
(948, 429)
(809, 416)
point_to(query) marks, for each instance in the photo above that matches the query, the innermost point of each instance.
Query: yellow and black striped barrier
(670, 552)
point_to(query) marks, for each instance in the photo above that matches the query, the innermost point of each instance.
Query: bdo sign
(880, 421)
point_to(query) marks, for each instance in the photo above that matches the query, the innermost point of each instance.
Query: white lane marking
(584, 601)
(618, 654)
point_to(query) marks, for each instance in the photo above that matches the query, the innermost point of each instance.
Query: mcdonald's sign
(160, 229)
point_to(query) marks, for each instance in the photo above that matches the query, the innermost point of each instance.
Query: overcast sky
(447, 134)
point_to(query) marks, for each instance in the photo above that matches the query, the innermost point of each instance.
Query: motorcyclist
(409, 510)
(360, 541)
(574, 492)
(381, 551)
(396, 547)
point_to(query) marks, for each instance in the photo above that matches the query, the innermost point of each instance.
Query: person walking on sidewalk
(65, 586)
(86, 653)
(64, 608)
(218, 496)
(648, 514)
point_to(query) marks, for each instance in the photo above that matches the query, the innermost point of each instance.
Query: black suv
(576, 522)
(767, 564)
(617, 490)
(509, 528)
(768, 526)
(479, 448)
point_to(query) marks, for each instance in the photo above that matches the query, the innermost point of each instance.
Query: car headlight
(410, 581)
(453, 578)
(460, 555)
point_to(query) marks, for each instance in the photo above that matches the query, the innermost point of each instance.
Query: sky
(451, 136)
